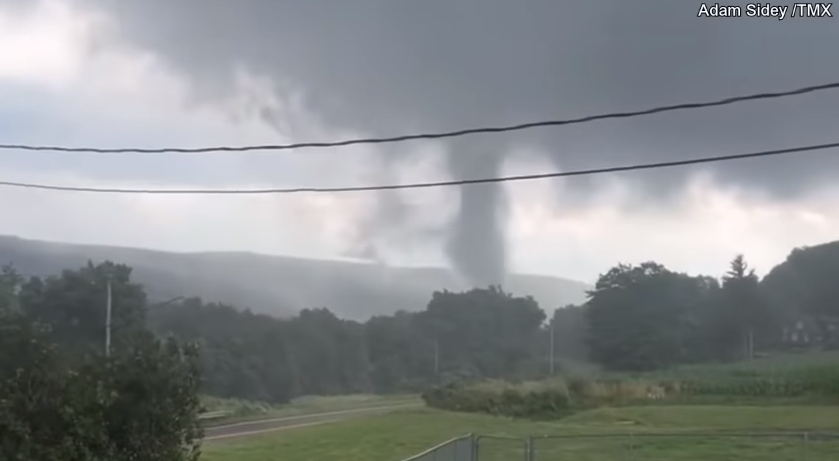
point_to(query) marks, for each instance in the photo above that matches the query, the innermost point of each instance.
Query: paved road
(229, 431)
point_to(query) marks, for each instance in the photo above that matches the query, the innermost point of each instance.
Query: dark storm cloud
(389, 66)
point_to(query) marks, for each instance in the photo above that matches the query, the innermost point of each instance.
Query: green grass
(400, 434)
(243, 410)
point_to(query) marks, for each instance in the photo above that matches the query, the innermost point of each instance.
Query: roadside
(246, 428)
(230, 411)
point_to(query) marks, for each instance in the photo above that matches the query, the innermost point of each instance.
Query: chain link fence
(500, 448)
(458, 449)
(670, 446)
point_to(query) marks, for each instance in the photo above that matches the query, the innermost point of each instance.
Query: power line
(422, 185)
(440, 135)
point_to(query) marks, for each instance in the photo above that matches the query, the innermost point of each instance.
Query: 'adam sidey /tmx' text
(766, 10)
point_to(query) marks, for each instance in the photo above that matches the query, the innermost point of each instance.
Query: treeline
(638, 317)
(250, 356)
(64, 396)
(486, 333)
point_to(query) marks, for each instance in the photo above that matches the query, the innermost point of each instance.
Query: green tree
(745, 317)
(10, 282)
(74, 305)
(401, 357)
(329, 354)
(804, 287)
(243, 355)
(150, 407)
(62, 400)
(46, 411)
(569, 327)
(141, 404)
(483, 332)
(642, 317)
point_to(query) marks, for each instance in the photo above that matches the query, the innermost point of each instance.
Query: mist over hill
(276, 285)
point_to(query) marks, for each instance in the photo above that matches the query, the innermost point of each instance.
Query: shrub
(560, 397)
(141, 404)
(531, 400)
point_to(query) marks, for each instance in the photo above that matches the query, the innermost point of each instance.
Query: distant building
(809, 332)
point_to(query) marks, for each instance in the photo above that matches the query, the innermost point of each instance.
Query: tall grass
(766, 381)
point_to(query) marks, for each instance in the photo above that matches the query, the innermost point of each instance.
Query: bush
(531, 400)
(142, 404)
(558, 398)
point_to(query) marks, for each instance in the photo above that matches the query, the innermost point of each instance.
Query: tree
(744, 313)
(45, 411)
(569, 326)
(141, 405)
(401, 358)
(804, 288)
(10, 282)
(642, 317)
(151, 406)
(483, 332)
(329, 354)
(243, 355)
(74, 305)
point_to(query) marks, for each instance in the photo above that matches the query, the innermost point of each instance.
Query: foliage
(483, 333)
(645, 317)
(478, 351)
(555, 398)
(804, 286)
(813, 375)
(152, 408)
(62, 398)
(639, 318)
(10, 282)
(744, 312)
(42, 405)
(530, 400)
(73, 304)
(569, 327)
(813, 381)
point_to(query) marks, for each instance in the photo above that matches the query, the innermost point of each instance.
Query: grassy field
(242, 410)
(400, 434)
(785, 393)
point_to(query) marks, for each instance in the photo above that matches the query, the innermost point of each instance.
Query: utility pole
(108, 319)
(751, 344)
(551, 352)
(436, 356)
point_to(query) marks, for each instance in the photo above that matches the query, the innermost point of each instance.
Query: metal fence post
(529, 452)
(454, 455)
(806, 438)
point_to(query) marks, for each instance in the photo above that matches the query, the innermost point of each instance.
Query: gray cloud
(387, 67)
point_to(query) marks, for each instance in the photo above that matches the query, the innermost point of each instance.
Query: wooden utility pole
(108, 303)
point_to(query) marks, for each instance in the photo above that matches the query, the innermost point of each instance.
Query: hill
(275, 285)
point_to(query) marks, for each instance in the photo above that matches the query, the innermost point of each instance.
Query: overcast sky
(115, 73)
